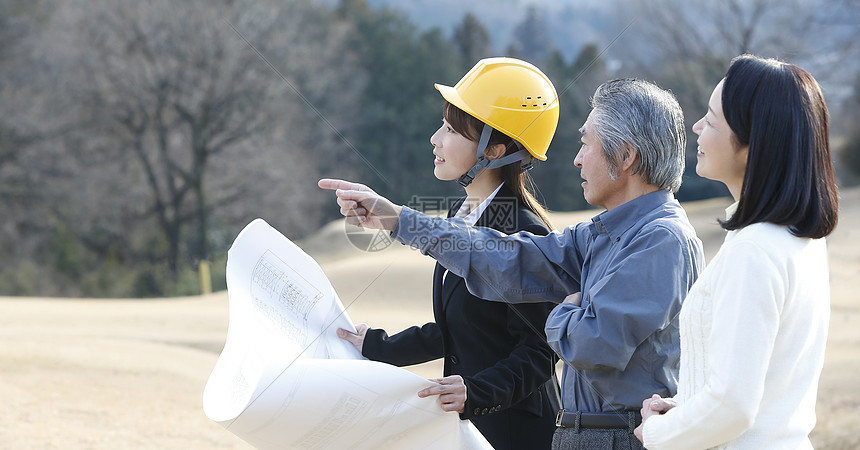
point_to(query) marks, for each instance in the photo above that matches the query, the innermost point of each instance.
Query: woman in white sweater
(754, 325)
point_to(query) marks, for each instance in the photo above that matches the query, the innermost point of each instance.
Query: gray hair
(641, 115)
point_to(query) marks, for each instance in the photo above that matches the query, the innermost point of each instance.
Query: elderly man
(619, 279)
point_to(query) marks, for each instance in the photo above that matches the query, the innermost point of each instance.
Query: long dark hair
(779, 111)
(518, 180)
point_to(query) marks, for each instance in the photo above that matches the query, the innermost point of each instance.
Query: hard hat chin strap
(484, 163)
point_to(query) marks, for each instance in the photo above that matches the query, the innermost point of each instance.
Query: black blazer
(499, 349)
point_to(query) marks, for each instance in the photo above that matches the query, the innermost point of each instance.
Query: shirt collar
(730, 211)
(472, 217)
(619, 219)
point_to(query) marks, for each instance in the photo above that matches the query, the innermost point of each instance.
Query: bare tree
(19, 30)
(195, 92)
(21, 98)
(705, 29)
(690, 43)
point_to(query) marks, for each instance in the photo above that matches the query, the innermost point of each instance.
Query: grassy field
(129, 374)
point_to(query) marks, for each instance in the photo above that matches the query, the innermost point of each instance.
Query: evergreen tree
(530, 41)
(558, 177)
(472, 40)
(401, 109)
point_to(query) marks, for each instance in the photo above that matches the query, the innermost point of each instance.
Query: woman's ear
(495, 151)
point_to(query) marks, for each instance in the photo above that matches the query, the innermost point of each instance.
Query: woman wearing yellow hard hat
(498, 370)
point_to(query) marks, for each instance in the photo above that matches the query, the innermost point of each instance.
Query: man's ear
(630, 161)
(495, 151)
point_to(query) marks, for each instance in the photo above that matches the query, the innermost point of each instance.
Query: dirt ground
(129, 374)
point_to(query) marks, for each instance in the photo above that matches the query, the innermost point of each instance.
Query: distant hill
(570, 23)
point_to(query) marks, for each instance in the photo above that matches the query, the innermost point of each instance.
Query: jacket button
(454, 359)
(484, 411)
(477, 411)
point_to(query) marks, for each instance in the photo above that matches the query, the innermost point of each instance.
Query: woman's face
(718, 157)
(455, 154)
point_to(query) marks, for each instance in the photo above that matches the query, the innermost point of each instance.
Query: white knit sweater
(753, 331)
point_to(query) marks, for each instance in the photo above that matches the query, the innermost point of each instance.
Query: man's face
(598, 187)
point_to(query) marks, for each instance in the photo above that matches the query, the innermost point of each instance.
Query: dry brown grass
(129, 374)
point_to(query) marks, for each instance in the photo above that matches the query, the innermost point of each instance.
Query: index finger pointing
(331, 183)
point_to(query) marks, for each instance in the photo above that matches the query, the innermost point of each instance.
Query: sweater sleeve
(747, 297)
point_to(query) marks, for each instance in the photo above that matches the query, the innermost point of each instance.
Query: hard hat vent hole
(533, 101)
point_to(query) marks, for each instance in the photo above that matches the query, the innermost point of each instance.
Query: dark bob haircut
(779, 111)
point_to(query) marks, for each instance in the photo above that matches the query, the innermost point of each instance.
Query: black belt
(574, 419)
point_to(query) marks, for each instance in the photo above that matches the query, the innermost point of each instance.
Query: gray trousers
(595, 439)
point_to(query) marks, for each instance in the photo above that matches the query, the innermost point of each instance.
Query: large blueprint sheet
(284, 380)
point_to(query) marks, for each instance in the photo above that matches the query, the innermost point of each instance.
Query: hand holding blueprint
(284, 380)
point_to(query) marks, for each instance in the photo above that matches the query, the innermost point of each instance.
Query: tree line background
(138, 137)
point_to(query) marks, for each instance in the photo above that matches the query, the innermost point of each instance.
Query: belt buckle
(559, 417)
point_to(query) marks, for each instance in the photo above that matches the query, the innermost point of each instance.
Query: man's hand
(575, 298)
(652, 406)
(451, 391)
(656, 405)
(363, 207)
(357, 338)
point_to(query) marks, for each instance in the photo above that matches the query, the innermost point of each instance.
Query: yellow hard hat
(511, 96)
